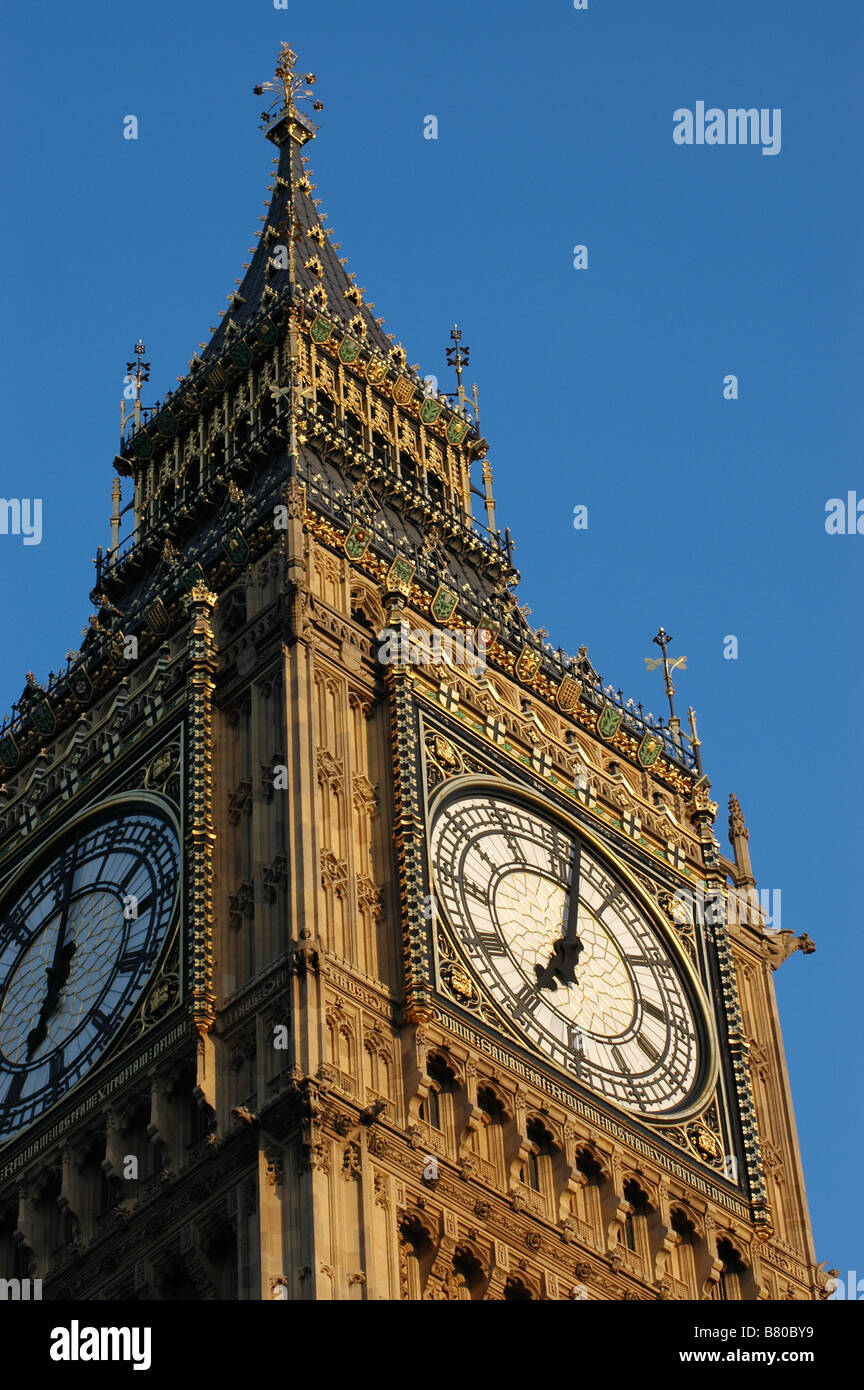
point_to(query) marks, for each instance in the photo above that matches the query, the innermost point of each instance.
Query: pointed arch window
(633, 1233)
(536, 1171)
(730, 1286)
(685, 1251)
(433, 1108)
(590, 1196)
(436, 1108)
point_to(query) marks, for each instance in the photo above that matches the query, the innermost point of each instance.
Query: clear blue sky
(602, 386)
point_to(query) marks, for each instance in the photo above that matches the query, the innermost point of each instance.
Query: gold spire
(695, 740)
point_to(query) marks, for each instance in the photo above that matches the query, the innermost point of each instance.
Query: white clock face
(80, 935)
(567, 952)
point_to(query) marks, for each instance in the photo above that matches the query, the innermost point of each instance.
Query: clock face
(80, 934)
(567, 951)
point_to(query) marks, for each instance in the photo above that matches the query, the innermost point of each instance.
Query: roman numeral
(648, 962)
(654, 1011)
(491, 943)
(131, 961)
(478, 893)
(15, 1089)
(18, 931)
(620, 1061)
(647, 1047)
(527, 998)
(136, 868)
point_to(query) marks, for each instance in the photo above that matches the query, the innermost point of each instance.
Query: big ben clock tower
(354, 943)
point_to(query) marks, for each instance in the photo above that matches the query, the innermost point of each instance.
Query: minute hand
(57, 972)
(566, 952)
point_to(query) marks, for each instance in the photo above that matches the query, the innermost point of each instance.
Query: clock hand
(57, 976)
(566, 952)
(57, 972)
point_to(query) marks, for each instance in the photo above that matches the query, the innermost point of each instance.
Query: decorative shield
(376, 370)
(142, 446)
(443, 603)
(528, 663)
(457, 430)
(166, 423)
(81, 685)
(194, 576)
(609, 721)
(568, 694)
(43, 717)
(240, 355)
(267, 332)
(235, 547)
(215, 376)
(404, 390)
(430, 410)
(400, 574)
(649, 750)
(349, 349)
(487, 632)
(8, 751)
(156, 616)
(321, 329)
(357, 541)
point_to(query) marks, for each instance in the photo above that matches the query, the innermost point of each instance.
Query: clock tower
(355, 943)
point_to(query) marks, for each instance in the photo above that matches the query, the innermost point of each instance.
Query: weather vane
(290, 87)
(678, 663)
(457, 357)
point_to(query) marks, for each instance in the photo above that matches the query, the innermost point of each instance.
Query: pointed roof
(296, 266)
(293, 207)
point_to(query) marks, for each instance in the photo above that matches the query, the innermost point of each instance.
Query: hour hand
(562, 965)
(58, 974)
(566, 952)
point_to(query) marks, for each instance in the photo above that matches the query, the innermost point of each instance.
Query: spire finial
(457, 356)
(679, 662)
(739, 836)
(290, 87)
(137, 373)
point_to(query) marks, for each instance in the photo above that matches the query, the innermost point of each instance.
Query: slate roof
(293, 172)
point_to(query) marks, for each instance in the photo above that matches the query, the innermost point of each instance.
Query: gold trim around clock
(458, 787)
(125, 798)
